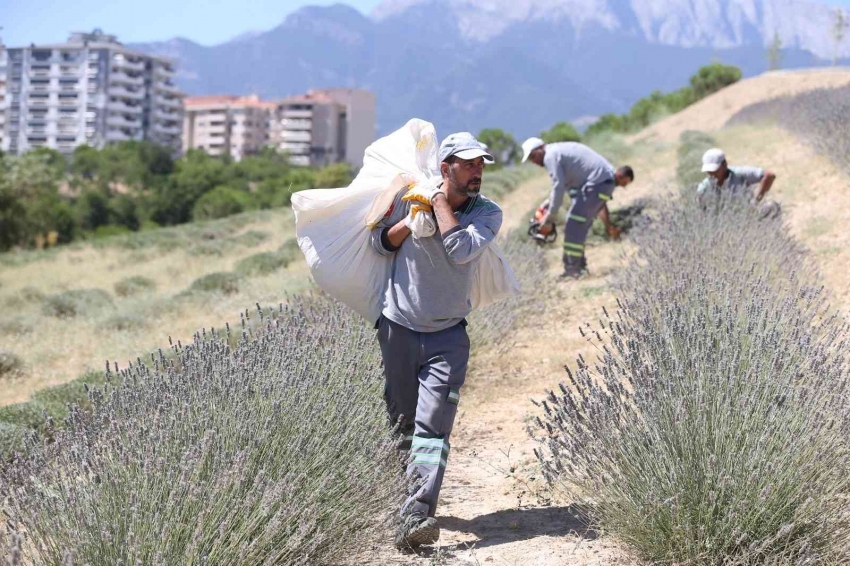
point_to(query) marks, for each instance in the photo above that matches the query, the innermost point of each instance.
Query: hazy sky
(205, 21)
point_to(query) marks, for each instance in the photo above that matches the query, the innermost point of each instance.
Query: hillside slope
(712, 112)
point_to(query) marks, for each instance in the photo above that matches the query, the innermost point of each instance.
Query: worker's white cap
(465, 146)
(530, 145)
(712, 160)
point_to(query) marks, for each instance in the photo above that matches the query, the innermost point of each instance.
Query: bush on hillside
(134, 285)
(287, 433)
(262, 263)
(220, 202)
(712, 427)
(79, 302)
(10, 364)
(219, 282)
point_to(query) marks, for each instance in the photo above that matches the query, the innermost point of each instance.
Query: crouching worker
(422, 330)
(752, 183)
(591, 180)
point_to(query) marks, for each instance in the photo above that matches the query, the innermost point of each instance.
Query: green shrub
(26, 296)
(13, 439)
(220, 202)
(290, 250)
(15, 327)
(109, 231)
(28, 415)
(134, 285)
(261, 264)
(220, 282)
(80, 302)
(10, 364)
(56, 399)
(251, 238)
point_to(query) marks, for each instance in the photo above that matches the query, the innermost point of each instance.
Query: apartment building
(90, 90)
(3, 74)
(325, 126)
(227, 125)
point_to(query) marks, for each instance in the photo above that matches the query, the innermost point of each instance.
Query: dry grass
(58, 350)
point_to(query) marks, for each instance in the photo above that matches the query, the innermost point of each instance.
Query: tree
(711, 78)
(560, 132)
(774, 53)
(840, 24)
(502, 146)
(333, 176)
(194, 175)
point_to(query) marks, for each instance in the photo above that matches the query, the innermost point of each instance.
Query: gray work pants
(424, 374)
(585, 206)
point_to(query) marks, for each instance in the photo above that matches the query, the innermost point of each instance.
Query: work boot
(416, 530)
(574, 268)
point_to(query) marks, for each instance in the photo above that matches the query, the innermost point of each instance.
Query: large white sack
(333, 225)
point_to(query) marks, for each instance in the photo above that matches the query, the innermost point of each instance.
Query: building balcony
(121, 92)
(299, 160)
(119, 77)
(288, 114)
(122, 121)
(160, 70)
(121, 61)
(170, 103)
(122, 107)
(167, 88)
(295, 148)
(296, 136)
(167, 130)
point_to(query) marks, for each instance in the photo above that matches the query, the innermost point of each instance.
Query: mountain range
(516, 64)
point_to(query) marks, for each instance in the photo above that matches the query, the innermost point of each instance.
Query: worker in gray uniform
(752, 183)
(422, 330)
(591, 181)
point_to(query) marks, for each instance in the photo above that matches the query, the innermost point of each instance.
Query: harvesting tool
(542, 234)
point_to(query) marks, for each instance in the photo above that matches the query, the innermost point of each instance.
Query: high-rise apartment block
(325, 126)
(227, 125)
(91, 90)
(3, 74)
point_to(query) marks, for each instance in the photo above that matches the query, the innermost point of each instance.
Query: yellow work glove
(421, 193)
(420, 221)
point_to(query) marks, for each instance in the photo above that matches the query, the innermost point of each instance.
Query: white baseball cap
(465, 146)
(712, 160)
(530, 145)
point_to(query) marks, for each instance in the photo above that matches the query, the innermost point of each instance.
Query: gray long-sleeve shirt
(430, 282)
(573, 165)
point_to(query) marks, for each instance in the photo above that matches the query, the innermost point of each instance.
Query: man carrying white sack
(422, 329)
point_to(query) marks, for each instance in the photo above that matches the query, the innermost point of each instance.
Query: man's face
(720, 174)
(464, 175)
(622, 180)
(537, 156)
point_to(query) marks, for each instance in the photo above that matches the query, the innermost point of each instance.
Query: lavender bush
(821, 117)
(275, 451)
(712, 428)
